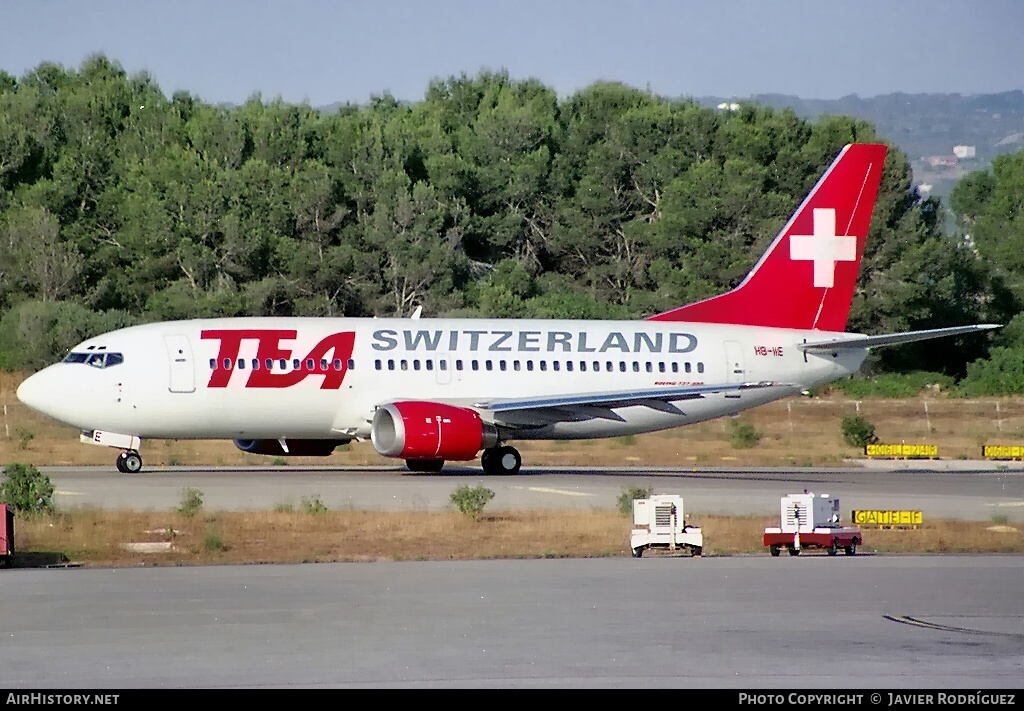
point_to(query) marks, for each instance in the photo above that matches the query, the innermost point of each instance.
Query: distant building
(942, 161)
(963, 151)
(725, 106)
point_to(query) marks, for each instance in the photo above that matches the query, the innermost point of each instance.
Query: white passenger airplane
(435, 390)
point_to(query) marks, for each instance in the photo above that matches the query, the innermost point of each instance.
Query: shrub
(625, 500)
(26, 490)
(471, 500)
(313, 506)
(1002, 373)
(24, 437)
(893, 385)
(743, 435)
(858, 432)
(191, 502)
(213, 541)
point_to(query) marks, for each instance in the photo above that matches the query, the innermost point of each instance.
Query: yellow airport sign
(880, 517)
(1002, 451)
(919, 451)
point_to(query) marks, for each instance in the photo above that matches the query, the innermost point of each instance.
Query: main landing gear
(129, 462)
(501, 460)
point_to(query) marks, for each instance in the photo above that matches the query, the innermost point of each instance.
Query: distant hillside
(925, 126)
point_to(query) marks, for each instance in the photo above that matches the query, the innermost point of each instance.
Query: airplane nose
(32, 392)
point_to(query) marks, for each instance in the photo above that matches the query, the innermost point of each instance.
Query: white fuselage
(208, 379)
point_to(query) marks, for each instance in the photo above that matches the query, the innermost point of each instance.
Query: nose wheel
(129, 462)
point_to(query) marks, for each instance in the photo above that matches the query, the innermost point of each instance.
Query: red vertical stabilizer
(806, 278)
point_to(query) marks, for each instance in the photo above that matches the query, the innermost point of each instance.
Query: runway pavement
(961, 490)
(743, 622)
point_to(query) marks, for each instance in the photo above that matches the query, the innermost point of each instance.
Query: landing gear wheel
(638, 552)
(424, 465)
(501, 460)
(774, 550)
(852, 548)
(129, 463)
(697, 551)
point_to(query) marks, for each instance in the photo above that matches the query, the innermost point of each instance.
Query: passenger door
(182, 369)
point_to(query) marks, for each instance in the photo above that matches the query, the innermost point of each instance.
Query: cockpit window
(96, 360)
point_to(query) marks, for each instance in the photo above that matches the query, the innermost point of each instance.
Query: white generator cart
(658, 523)
(809, 521)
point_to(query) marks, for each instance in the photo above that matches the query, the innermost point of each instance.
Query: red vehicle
(810, 521)
(6, 533)
(831, 539)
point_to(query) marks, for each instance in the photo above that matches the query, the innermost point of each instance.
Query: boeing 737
(431, 390)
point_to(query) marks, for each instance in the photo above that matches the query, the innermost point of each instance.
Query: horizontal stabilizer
(891, 339)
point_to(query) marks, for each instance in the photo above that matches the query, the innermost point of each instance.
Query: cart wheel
(696, 551)
(774, 550)
(793, 550)
(637, 552)
(852, 548)
(834, 548)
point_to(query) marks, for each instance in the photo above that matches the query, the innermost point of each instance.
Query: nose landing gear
(129, 461)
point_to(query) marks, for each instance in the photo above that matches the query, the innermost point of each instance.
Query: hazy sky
(322, 51)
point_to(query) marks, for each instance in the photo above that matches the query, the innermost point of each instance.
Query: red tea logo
(337, 346)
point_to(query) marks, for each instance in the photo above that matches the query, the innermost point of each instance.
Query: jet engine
(296, 447)
(430, 430)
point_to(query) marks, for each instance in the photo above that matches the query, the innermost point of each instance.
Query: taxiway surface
(959, 490)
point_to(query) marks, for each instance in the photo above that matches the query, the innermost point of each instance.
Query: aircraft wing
(576, 407)
(891, 339)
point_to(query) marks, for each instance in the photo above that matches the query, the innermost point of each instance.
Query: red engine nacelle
(430, 430)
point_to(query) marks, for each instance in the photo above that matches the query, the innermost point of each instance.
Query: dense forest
(490, 197)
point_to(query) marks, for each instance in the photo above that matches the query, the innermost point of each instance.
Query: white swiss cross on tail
(824, 247)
